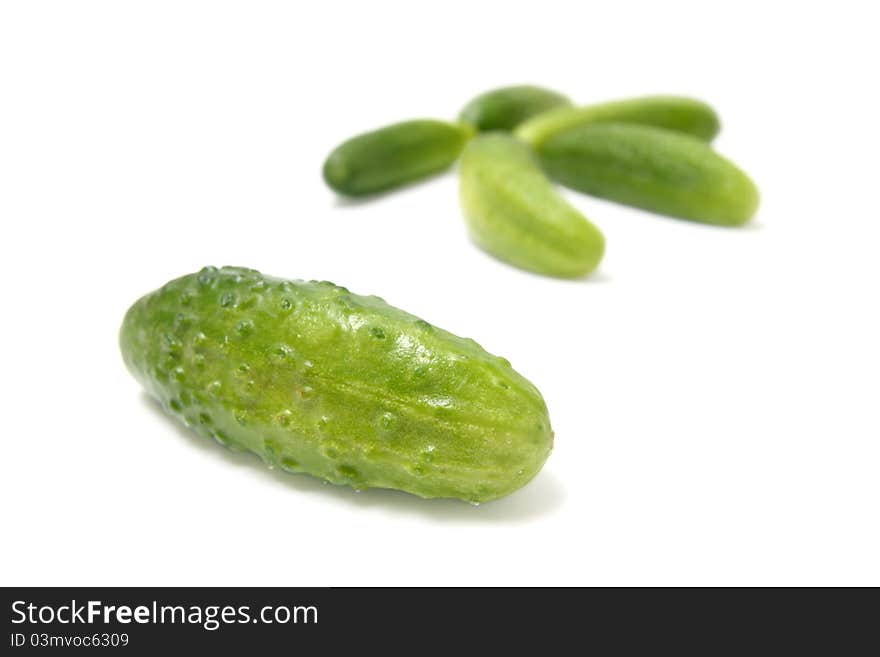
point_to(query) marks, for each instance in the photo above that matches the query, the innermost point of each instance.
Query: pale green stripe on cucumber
(394, 156)
(685, 115)
(658, 170)
(516, 214)
(505, 108)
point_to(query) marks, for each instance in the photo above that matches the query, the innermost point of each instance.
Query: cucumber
(315, 379)
(507, 107)
(686, 115)
(394, 156)
(653, 169)
(514, 212)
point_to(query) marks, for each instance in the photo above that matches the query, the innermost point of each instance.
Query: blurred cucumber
(515, 213)
(653, 169)
(685, 115)
(507, 107)
(394, 156)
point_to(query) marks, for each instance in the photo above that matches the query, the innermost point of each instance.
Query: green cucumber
(394, 156)
(653, 169)
(315, 379)
(507, 107)
(515, 213)
(686, 115)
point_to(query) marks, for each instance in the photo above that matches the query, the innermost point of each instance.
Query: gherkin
(515, 213)
(316, 379)
(506, 108)
(394, 156)
(657, 170)
(676, 113)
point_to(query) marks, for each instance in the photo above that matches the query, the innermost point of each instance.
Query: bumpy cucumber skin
(657, 170)
(515, 213)
(505, 108)
(315, 379)
(394, 155)
(685, 115)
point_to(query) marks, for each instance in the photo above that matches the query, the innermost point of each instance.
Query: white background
(714, 392)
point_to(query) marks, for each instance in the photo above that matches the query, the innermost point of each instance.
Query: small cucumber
(315, 379)
(515, 213)
(394, 155)
(692, 117)
(657, 170)
(505, 108)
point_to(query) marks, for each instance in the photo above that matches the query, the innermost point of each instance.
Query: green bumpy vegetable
(515, 213)
(685, 115)
(505, 108)
(394, 156)
(315, 379)
(657, 170)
